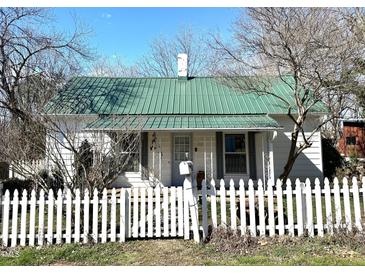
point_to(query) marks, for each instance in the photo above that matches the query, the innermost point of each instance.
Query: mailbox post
(190, 200)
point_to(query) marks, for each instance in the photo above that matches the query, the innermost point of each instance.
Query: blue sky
(127, 32)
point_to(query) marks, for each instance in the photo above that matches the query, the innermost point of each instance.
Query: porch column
(271, 137)
(264, 157)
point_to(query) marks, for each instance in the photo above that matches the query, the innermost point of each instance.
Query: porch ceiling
(183, 122)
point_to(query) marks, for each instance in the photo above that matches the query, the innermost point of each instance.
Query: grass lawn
(284, 251)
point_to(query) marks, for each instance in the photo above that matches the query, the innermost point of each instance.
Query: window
(126, 151)
(235, 153)
(182, 148)
(351, 140)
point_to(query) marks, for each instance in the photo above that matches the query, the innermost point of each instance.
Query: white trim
(245, 133)
(186, 129)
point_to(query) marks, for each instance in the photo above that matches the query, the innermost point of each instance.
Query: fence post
(191, 198)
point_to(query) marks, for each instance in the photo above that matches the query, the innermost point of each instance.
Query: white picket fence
(164, 212)
(24, 168)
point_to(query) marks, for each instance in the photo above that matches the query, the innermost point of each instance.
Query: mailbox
(186, 168)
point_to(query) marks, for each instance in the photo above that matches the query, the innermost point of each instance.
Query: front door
(181, 152)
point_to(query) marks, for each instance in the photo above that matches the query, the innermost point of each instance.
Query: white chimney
(182, 65)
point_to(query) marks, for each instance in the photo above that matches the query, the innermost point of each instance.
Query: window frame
(246, 153)
(139, 172)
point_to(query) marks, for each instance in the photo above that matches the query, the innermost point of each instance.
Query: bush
(227, 240)
(332, 159)
(15, 183)
(53, 180)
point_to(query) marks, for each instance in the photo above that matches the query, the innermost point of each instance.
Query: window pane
(236, 163)
(351, 140)
(235, 142)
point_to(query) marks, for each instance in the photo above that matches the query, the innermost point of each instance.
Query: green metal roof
(156, 96)
(183, 122)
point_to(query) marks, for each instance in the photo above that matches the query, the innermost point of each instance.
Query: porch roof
(183, 122)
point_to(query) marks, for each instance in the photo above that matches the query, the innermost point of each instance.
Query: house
(226, 133)
(352, 140)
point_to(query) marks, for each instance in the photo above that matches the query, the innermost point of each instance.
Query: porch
(221, 147)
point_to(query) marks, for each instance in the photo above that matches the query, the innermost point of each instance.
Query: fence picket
(222, 194)
(270, 200)
(95, 216)
(289, 206)
(337, 198)
(158, 210)
(135, 212)
(318, 197)
(68, 216)
(5, 215)
(86, 216)
(279, 196)
(180, 211)
(260, 194)
(213, 203)
(77, 215)
(122, 215)
(327, 197)
(59, 217)
(14, 219)
(113, 216)
(357, 212)
(232, 201)
(50, 217)
(128, 208)
(299, 205)
(41, 218)
(346, 204)
(204, 209)
(143, 213)
(104, 216)
(23, 220)
(309, 208)
(165, 205)
(173, 211)
(33, 203)
(242, 197)
(251, 201)
(150, 212)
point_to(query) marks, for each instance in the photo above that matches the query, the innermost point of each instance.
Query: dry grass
(224, 247)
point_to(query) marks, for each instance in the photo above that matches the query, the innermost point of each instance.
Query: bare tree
(91, 159)
(162, 59)
(30, 51)
(311, 45)
(115, 67)
(35, 60)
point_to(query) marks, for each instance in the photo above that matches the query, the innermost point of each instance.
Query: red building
(352, 141)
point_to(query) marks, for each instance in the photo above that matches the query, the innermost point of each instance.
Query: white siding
(309, 164)
(163, 143)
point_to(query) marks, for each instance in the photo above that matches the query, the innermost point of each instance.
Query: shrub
(332, 159)
(15, 183)
(53, 180)
(227, 240)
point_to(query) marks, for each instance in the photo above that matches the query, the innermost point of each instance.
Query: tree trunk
(291, 156)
